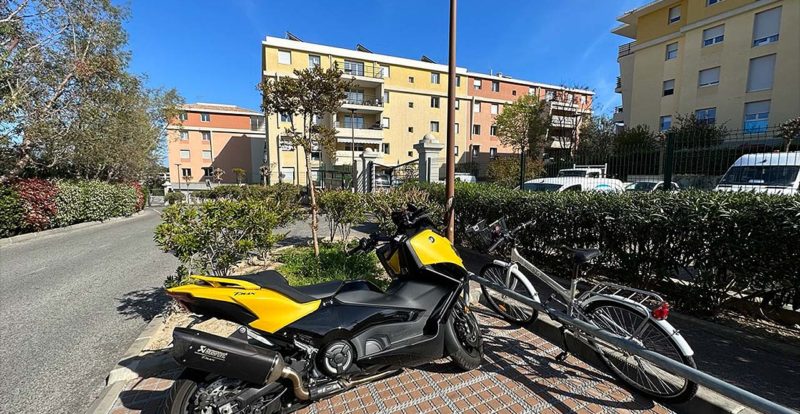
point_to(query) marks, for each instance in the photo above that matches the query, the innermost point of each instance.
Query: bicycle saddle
(582, 256)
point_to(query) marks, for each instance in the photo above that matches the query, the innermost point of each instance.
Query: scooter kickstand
(564, 354)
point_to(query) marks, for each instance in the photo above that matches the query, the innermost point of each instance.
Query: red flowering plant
(38, 201)
(139, 195)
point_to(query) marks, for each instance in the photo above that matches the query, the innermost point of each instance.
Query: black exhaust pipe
(227, 357)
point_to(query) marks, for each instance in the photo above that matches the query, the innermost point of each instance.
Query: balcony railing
(355, 68)
(619, 84)
(364, 101)
(625, 50)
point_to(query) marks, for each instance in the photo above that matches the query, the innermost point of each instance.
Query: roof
(630, 18)
(573, 180)
(505, 78)
(769, 158)
(218, 108)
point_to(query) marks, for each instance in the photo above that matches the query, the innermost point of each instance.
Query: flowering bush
(38, 201)
(140, 197)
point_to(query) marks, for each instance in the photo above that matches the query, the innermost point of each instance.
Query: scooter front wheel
(463, 339)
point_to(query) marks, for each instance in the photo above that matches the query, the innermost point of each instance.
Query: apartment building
(732, 62)
(208, 136)
(394, 102)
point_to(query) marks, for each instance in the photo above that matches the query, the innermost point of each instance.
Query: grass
(300, 267)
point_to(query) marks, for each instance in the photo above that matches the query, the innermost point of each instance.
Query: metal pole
(178, 166)
(668, 161)
(450, 188)
(353, 148)
(674, 367)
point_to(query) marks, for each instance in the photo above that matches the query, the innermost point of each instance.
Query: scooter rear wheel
(463, 340)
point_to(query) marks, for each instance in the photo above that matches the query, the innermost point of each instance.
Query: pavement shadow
(143, 401)
(144, 303)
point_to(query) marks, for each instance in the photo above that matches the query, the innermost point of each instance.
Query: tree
(597, 135)
(218, 173)
(523, 126)
(789, 131)
(310, 94)
(240, 174)
(504, 171)
(691, 132)
(635, 139)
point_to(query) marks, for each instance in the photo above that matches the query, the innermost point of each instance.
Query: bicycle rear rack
(643, 297)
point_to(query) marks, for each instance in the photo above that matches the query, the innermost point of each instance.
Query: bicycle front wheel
(639, 373)
(511, 310)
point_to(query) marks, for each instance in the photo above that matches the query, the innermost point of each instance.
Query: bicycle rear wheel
(639, 373)
(510, 309)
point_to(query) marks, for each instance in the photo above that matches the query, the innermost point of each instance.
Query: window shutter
(760, 75)
(713, 32)
(760, 107)
(674, 14)
(767, 23)
(709, 76)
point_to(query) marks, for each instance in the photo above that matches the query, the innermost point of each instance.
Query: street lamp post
(451, 133)
(178, 166)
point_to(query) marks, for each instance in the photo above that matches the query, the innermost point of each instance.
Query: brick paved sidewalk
(519, 375)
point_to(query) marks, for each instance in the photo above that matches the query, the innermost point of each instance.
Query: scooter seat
(273, 280)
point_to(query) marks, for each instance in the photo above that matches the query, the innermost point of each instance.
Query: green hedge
(11, 211)
(726, 242)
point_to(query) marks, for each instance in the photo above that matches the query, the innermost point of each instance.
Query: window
(410, 104)
(456, 150)
(458, 104)
(458, 81)
(434, 126)
(706, 115)
(353, 121)
(385, 97)
(410, 79)
(186, 172)
(669, 87)
(284, 57)
(674, 14)
(767, 26)
(206, 154)
(531, 91)
(285, 118)
(495, 86)
(352, 67)
(665, 122)
(385, 122)
(458, 127)
(385, 71)
(476, 107)
(386, 148)
(492, 153)
(286, 144)
(549, 95)
(410, 129)
(756, 116)
(313, 61)
(495, 108)
(672, 51)
(759, 76)
(355, 96)
(184, 135)
(208, 171)
(205, 117)
(316, 155)
(435, 78)
(476, 149)
(493, 130)
(411, 153)
(713, 35)
(476, 129)
(288, 174)
(206, 135)
(710, 2)
(476, 84)
(317, 119)
(434, 101)
(183, 116)
(185, 154)
(514, 93)
(256, 122)
(709, 77)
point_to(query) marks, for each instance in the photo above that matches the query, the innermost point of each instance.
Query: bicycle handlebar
(509, 235)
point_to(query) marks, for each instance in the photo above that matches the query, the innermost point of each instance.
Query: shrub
(216, 235)
(342, 209)
(284, 199)
(301, 267)
(140, 196)
(382, 204)
(504, 171)
(11, 211)
(103, 201)
(175, 197)
(743, 243)
(39, 203)
(70, 203)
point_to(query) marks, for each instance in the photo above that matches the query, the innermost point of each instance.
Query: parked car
(561, 184)
(466, 178)
(382, 181)
(588, 171)
(649, 186)
(773, 173)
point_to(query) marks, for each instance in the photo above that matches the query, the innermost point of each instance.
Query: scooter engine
(337, 358)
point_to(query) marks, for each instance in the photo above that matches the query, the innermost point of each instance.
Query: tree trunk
(313, 196)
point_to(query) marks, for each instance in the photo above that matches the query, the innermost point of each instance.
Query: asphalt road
(70, 305)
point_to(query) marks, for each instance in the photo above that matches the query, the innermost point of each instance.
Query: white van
(560, 184)
(772, 173)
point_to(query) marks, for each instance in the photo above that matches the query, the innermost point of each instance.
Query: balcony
(618, 115)
(564, 121)
(363, 103)
(362, 135)
(618, 88)
(625, 50)
(362, 73)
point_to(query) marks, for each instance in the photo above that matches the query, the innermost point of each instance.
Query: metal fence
(692, 158)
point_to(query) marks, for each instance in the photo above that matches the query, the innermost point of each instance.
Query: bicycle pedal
(562, 356)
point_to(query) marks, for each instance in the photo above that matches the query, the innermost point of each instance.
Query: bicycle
(637, 315)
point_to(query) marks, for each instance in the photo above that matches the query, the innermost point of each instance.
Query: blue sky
(210, 50)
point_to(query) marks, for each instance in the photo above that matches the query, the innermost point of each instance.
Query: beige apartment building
(208, 136)
(735, 62)
(394, 102)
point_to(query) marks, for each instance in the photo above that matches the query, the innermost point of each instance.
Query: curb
(706, 401)
(129, 367)
(8, 241)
